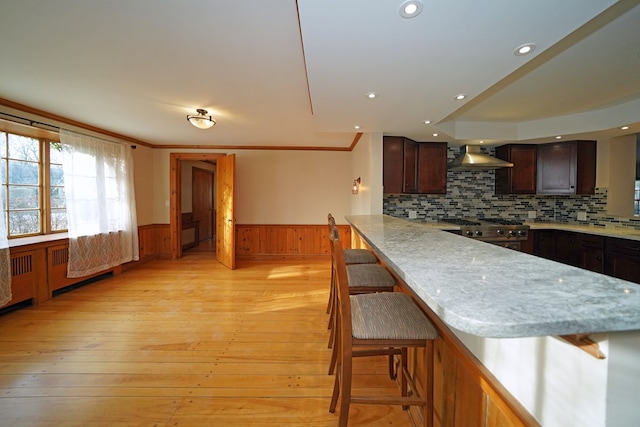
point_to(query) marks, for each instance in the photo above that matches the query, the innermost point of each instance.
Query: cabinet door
(546, 244)
(586, 172)
(593, 259)
(432, 167)
(622, 259)
(410, 166)
(592, 252)
(557, 168)
(521, 178)
(392, 164)
(569, 248)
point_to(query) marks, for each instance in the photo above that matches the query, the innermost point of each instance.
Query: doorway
(225, 245)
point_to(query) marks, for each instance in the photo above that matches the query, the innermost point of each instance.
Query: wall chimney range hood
(470, 158)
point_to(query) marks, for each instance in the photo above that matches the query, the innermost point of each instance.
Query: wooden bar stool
(361, 279)
(351, 256)
(374, 324)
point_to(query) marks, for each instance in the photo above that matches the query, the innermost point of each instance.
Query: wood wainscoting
(293, 241)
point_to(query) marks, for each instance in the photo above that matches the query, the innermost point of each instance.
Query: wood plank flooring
(182, 343)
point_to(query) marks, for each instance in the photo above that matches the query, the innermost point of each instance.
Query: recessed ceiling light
(357, 127)
(460, 96)
(427, 122)
(435, 134)
(371, 95)
(410, 8)
(481, 142)
(525, 49)
(558, 137)
(624, 127)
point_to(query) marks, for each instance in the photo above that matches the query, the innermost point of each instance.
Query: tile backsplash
(472, 194)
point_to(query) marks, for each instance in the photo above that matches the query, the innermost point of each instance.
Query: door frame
(175, 196)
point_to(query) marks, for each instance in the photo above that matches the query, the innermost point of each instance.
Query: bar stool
(361, 279)
(374, 324)
(351, 256)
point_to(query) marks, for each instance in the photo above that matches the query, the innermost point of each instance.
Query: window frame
(44, 138)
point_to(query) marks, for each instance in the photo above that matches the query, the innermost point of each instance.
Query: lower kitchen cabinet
(592, 252)
(545, 244)
(569, 248)
(615, 257)
(622, 259)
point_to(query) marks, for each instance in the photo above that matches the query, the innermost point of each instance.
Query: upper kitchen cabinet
(567, 168)
(521, 178)
(413, 167)
(432, 167)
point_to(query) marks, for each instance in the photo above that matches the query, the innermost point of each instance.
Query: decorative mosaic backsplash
(472, 194)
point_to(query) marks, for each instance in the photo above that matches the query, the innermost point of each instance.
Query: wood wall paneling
(255, 241)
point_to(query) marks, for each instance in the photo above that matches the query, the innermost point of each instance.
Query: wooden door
(225, 221)
(202, 191)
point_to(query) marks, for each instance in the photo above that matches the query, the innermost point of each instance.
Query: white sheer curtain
(101, 209)
(5, 263)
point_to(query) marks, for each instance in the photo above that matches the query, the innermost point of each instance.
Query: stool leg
(403, 375)
(427, 414)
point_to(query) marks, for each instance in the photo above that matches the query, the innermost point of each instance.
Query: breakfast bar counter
(490, 291)
(508, 309)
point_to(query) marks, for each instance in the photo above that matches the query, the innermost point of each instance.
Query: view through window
(32, 185)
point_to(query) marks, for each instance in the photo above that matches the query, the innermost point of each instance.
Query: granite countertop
(489, 291)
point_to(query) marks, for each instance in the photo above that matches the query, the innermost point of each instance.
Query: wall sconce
(356, 185)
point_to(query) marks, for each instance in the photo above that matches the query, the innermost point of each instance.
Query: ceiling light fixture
(427, 122)
(435, 134)
(525, 49)
(558, 137)
(357, 127)
(460, 96)
(410, 8)
(371, 95)
(202, 120)
(624, 127)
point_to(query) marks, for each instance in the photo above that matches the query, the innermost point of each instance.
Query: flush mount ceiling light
(410, 8)
(460, 96)
(371, 95)
(356, 127)
(427, 122)
(525, 49)
(202, 120)
(624, 127)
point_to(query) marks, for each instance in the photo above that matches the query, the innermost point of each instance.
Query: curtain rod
(30, 122)
(33, 123)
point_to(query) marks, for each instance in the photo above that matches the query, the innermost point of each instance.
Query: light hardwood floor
(181, 343)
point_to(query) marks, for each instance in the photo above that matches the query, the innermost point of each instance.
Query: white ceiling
(286, 73)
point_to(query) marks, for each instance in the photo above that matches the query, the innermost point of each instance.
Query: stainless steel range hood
(470, 158)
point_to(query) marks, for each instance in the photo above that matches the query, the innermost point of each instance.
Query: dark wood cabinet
(622, 259)
(521, 178)
(413, 167)
(545, 244)
(566, 168)
(569, 248)
(432, 167)
(592, 252)
(616, 257)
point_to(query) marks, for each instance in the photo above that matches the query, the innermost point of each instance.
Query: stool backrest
(344, 337)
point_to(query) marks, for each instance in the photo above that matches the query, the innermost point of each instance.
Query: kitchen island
(507, 308)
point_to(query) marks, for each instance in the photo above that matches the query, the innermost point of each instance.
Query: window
(32, 185)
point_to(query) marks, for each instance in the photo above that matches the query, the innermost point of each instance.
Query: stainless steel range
(503, 232)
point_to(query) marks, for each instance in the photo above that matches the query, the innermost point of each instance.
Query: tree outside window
(32, 185)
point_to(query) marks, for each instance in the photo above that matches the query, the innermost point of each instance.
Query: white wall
(366, 161)
(274, 186)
